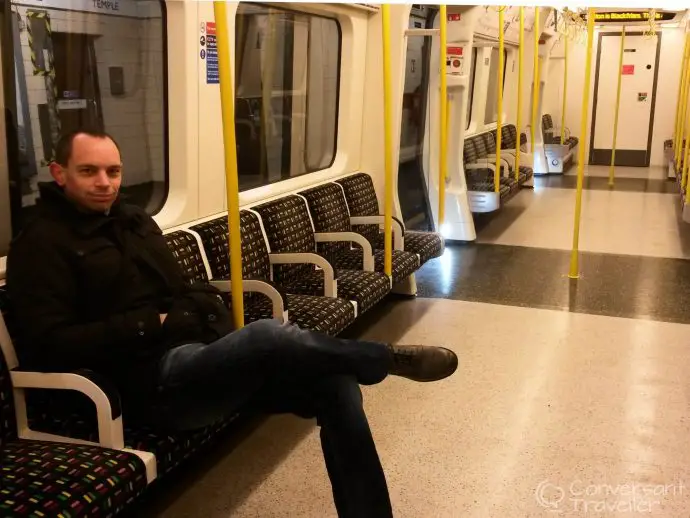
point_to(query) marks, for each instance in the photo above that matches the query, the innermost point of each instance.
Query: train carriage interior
(509, 182)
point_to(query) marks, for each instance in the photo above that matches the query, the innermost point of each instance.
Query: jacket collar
(54, 201)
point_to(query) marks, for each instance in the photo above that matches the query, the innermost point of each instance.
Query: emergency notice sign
(454, 62)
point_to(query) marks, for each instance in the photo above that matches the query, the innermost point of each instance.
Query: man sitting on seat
(94, 285)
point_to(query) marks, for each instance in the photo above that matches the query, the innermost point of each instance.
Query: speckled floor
(541, 395)
(567, 402)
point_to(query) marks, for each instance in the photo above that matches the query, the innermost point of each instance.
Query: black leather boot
(422, 363)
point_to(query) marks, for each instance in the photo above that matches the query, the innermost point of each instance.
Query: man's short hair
(63, 149)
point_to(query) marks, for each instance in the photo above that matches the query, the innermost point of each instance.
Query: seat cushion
(404, 263)
(427, 245)
(365, 288)
(169, 449)
(54, 479)
(327, 315)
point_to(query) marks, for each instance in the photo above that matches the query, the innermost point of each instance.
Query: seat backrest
(546, 122)
(289, 229)
(329, 213)
(469, 151)
(490, 141)
(214, 238)
(509, 136)
(8, 427)
(480, 145)
(185, 248)
(362, 201)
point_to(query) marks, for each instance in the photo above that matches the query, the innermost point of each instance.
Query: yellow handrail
(684, 144)
(443, 119)
(574, 270)
(681, 78)
(535, 79)
(388, 140)
(499, 98)
(227, 101)
(565, 89)
(518, 123)
(683, 110)
(684, 178)
(677, 137)
(618, 103)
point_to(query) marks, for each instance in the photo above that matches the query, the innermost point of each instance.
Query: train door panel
(412, 190)
(635, 119)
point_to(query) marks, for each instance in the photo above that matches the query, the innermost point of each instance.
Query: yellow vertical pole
(535, 79)
(499, 97)
(685, 136)
(388, 141)
(684, 177)
(681, 95)
(681, 80)
(574, 270)
(443, 119)
(521, 49)
(227, 101)
(683, 114)
(618, 103)
(565, 89)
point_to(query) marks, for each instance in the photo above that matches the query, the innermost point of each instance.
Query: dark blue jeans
(279, 368)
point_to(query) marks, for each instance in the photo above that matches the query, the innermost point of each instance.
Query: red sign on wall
(628, 70)
(454, 17)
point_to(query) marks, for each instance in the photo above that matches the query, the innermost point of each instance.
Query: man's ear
(58, 173)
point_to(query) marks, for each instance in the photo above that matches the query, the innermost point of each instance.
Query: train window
(86, 64)
(491, 113)
(473, 70)
(287, 76)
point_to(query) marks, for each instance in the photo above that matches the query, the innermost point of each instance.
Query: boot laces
(404, 356)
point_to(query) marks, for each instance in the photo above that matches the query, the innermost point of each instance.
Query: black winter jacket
(87, 291)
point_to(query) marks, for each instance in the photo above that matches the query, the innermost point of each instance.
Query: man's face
(93, 173)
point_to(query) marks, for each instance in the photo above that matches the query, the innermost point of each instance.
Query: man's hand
(163, 317)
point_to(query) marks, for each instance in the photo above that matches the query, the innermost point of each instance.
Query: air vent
(369, 7)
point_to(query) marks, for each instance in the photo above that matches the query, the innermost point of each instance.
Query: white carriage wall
(666, 94)
(372, 129)
(207, 172)
(134, 119)
(481, 82)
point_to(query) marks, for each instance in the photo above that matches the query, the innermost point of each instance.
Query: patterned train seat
(508, 142)
(361, 199)
(328, 315)
(550, 138)
(289, 230)
(39, 478)
(329, 213)
(475, 151)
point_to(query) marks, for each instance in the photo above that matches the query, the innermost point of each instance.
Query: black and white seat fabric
(185, 248)
(289, 230)
(329, 213)
(482, 178)
(329, 315)
(551, 138)
(509, 142)
(361, 199)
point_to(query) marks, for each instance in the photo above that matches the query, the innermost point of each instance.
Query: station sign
(630, 16)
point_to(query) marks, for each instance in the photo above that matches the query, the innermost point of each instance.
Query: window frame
(7, 60)
(473, 76)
